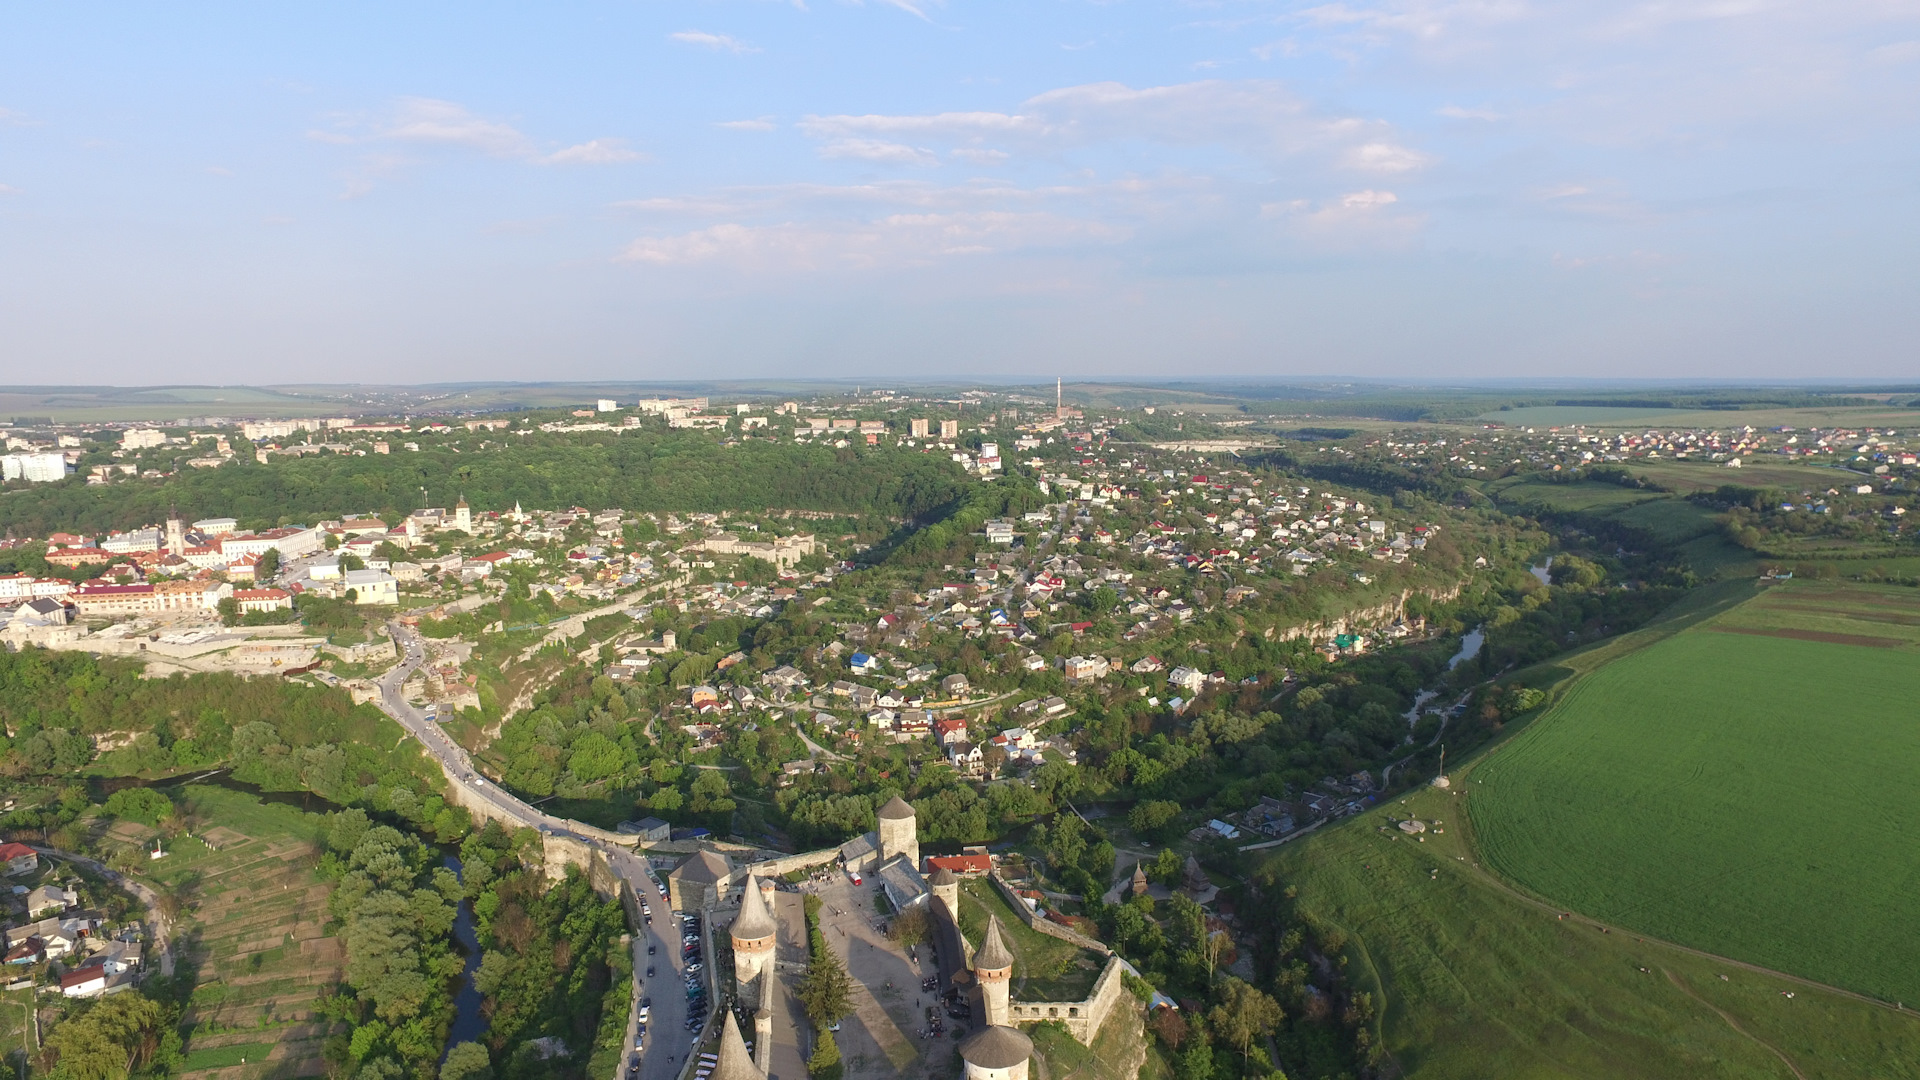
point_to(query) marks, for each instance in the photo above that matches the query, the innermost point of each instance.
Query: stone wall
(1082, 1018)
(1042, 924)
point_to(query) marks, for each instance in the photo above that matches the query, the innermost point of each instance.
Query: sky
(1431, 189)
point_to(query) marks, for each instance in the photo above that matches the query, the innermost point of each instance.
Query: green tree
(825, 1063)
(1148, 818)
(467, 1061)
(117, 1036)
(1244, 1015)
(825, 992)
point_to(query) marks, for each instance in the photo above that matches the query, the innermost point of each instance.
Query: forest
(279, 735)
(645, 470)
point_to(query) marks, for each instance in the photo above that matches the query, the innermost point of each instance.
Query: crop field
(1472, 979)
(253, 918)
(1748, 786)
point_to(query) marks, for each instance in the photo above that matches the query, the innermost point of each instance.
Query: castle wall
(1082, 1018)
(1044, 925)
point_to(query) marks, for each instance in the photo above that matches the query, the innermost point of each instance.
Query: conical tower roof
(755, 920)
(993, 954)
(896, 809)
(996, 1047)
(942, 876)
(735, 1063)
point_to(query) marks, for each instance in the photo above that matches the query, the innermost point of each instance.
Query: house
(948, 729)
(1146, 665)
(1078, 668)
(965, 756)
(55, 940)
(975, 863)
(1186, 678)
(647, 829)
(862, 662)
(38, 612)
(955, 686)
(30, 950)
(20, 859)
(49, 900)
(263, 599)
(94, 980)
(373, 587)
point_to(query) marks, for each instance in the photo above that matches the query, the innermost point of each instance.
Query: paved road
(667, 1036)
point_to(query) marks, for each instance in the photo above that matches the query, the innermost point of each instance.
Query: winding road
(668, 1041)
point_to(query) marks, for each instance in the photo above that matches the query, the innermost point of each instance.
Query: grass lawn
(1044, 968)
(1735, 790)
(221, 1057)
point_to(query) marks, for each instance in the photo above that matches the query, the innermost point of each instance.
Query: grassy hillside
(1738, 787)
(1476, 980)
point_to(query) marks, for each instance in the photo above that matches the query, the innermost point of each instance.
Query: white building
(34, 468)
(140, 438)
(373, 587)
(607, 404)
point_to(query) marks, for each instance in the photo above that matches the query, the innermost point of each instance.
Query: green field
(1749, 787)
(1474, 980)
(253, 933)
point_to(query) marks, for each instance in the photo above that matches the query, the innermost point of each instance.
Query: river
(1541, 571)
(468, 1024)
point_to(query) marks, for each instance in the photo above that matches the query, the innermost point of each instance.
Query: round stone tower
(946, 890)
(993, 970)
(996, 1053)
(753, 933)
(899, 834)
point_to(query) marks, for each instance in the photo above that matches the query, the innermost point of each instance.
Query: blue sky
(1382, 188)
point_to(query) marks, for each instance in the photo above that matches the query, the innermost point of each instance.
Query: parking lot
(667, 1040)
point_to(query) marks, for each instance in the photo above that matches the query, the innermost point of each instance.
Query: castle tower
(463, 516)
(763, 1039)
(734, 1062)
(176, 536)
(946, 889)
(996, 1053)
(899, 833)
(752, 933)
(992, 969)
(1139, 879)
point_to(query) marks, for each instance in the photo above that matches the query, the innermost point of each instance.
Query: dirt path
(1680, 985)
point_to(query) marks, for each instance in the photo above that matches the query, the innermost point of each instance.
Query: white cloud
(593, 152)
(981, 156)
(716, 42)
(895, 240)
(11, 116)
(9, 189)
(879, 150)
(1357, 218)
(762, 124)
(433, 122)
(938, 124)
(1385, 158)
(1456, 112)
(1260, 117)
